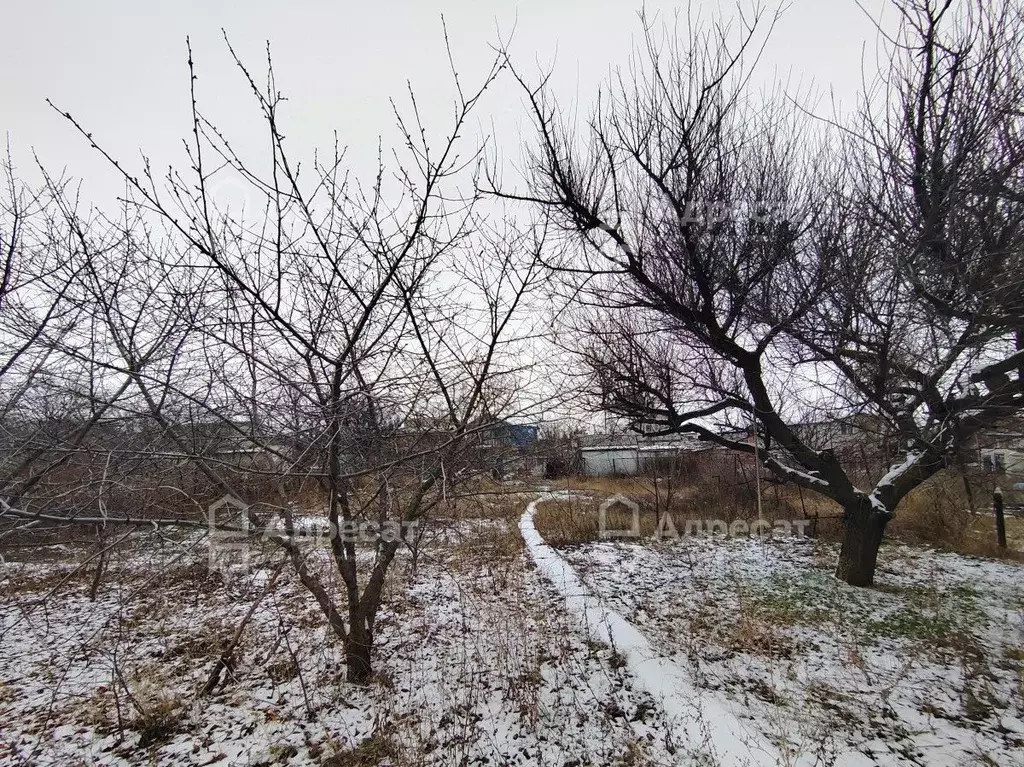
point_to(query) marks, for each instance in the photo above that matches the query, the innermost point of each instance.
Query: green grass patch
(919, 613)
(941, 617)
(808, 599)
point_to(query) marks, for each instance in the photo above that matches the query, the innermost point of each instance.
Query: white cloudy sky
(120, 66)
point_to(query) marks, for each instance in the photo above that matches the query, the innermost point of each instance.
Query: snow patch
(707, 724)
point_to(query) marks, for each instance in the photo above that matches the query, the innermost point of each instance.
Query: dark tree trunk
(864, 527)
(357, 651)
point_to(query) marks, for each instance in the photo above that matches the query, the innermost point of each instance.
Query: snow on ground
(923, 669)
(707, 729)
(476, 664)
(479, 661)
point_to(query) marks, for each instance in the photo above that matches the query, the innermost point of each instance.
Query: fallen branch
(225, 661)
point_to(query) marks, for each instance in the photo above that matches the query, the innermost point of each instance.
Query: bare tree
(738, 265)
(47, 403)
(329, 333)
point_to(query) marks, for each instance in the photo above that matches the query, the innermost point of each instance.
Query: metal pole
(757, 467)
(997, 506)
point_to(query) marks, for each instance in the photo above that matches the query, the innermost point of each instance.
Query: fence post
(997, 507)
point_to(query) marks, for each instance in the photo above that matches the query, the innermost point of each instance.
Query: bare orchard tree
(739, 265)
(924, 331)
(347, 337)
(48, 406)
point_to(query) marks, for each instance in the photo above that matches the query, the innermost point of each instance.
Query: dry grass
(748, 630)
(938, 513)
(667, 505)
(706, 491)
(489, 519)
(490, 539)
(158, 716)
(487, 502)
(979, 539)
(380, 749)
(144, 705)
(564, 522)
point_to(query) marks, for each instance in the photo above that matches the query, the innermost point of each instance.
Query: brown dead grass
(378, 749)
(705, 496)
(488, 503)
(569, 521)
(497, 539)
(936, 514)
(576, 520)
(491, 517)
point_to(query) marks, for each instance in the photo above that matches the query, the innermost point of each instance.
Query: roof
(659, 448)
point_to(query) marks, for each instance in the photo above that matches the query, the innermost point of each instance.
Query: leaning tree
(735, 260)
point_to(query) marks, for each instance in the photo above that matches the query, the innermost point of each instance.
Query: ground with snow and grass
(691, 651)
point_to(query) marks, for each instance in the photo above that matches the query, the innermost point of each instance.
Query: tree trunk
(357, 651)
(864, 527)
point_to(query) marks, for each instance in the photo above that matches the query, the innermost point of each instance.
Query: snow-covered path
(706, 725)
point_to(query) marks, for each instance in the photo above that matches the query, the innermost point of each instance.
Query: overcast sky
(120, 67)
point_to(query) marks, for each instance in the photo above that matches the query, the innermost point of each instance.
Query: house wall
(1013, 460)
(606, 461)
(602, 461)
